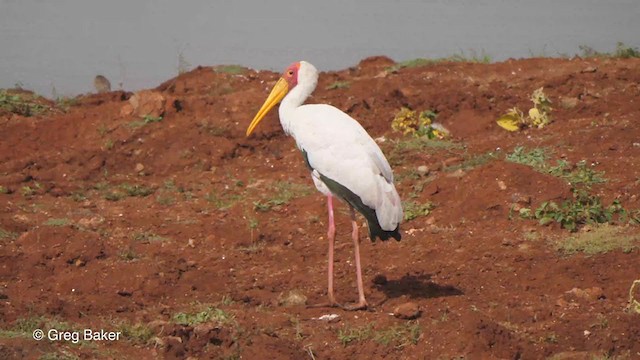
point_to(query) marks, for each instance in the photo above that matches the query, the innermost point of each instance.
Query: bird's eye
(290, 72)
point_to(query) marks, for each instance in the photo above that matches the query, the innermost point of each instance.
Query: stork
(345, 162)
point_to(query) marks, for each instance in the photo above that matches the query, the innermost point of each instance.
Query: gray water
(57, 47)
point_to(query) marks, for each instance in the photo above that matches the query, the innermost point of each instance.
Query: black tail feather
(375, 230)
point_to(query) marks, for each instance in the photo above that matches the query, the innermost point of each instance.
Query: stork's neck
(294, 99)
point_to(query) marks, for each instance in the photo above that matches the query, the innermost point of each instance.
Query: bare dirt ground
(194, 241)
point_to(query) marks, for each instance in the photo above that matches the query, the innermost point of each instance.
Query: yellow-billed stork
(345, 162)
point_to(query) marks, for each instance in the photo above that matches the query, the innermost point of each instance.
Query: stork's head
(300, 77)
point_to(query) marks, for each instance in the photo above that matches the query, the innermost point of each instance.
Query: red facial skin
(291, 75)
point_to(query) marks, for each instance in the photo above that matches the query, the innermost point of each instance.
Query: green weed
(600, 239)
(21, 104)
(481, 58)
(57, 222)
(414, 209)
(471, 162)
(208, 314)
(349, 334)
(399, 335)
(127, 190)
(128, 254)
(583, 208)
(230, 69)
(28, 191)
(147, 237)
(622, 51)
(65, 103)
(222, 201)
(135, 333)
(338, 85)
(7, 235)
(281, 193)
(147, 119)
(578, 174)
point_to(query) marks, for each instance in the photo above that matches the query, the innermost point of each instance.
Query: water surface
(57, 47)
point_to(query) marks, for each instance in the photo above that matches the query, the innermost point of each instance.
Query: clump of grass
(128, 190)
(147, 119)
(622, 51)
(128, 254)
(472, 161)
(28, 191)
(399, 335)
(24, 327)
(147, 237)
(578, 174)
(57, 222)
(414, 145)
(208, 314)
(350, 334)
(481, 58)
(338, 85)
(7, 235)
(21, 104)
(414, 209)
(282, 192)
(536, 158)
(65, 103)
(583, 208)
(135, 333)
(230, 69)
(222, 201)
(600, 239)
(4, 190)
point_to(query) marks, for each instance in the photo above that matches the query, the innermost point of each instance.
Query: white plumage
(348, 156)
(345, 161)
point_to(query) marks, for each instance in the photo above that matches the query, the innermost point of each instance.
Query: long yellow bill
(277, 93)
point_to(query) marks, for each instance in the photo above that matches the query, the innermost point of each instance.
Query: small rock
(423, 170)
(329, 317)
(452, 161)
(157, 326)
(139, 167)
(79, 263)
(202, 330)
(569, 102)
(91, 223)
(293, 298)
(407, 311)
(590, 69)
(145, 102)
(457, 174)
(591, 294)
(502, 185)
(125, 293)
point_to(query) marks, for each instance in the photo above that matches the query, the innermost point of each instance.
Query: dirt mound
(185, 236)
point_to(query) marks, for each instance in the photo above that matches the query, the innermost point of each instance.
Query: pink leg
(362, 302)
(331, 234)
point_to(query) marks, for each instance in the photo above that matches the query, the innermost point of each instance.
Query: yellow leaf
(509, 122)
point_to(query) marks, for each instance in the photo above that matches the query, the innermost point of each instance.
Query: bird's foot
(361, 305)
(330, 304)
